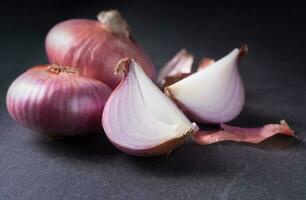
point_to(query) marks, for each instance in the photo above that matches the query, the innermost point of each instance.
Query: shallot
(214, 94)
(57, 101)
(96, 46)
(139, 119)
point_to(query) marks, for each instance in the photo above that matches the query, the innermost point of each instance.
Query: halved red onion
(139, 119)
(176, 69)
(249, 135)
(96, 46)
(57, 101)
(212, 95)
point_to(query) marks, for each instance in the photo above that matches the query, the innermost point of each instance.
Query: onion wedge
(141, 120)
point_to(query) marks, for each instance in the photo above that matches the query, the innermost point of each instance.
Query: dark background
(33, 166)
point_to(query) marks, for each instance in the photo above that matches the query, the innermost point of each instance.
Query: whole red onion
(96, 46)
(57, 101)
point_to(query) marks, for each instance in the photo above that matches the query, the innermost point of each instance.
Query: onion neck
(58, 69)
(114, 22)
(243, 51)
(122, 66)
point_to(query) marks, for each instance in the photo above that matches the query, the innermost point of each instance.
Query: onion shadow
(92, 147)
(191, 159)
(188, 160)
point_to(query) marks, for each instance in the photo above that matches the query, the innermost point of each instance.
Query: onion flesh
(214, 94)
(139, 119)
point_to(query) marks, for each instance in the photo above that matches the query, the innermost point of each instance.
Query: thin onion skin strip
(238, 134)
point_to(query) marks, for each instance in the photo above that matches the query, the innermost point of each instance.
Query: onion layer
(57, 101)
(214, 94)
(139, 119)
(95, 46)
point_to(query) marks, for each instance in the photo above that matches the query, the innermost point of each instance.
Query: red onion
(139, 119)
(96, 46)
(214, 94)
(57, 101)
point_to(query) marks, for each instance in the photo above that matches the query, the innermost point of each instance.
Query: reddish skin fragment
(205, 62)
(237, 134)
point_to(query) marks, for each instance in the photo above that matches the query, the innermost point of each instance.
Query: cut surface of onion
(214, 94)
(139, 119)
(238, 134)
(177, 68)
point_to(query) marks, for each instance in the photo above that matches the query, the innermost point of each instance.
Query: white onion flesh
(214, 94)
(139, 117)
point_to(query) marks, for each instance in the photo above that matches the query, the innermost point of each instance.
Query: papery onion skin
(127, 117)
(57, 101)
(238, 134)
(95, 46)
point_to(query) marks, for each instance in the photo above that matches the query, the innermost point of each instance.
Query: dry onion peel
(249, 135)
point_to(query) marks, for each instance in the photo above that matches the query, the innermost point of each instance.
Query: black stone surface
(33, 166)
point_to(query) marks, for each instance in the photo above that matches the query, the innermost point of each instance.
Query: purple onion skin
(87, 45)
(57, 103)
